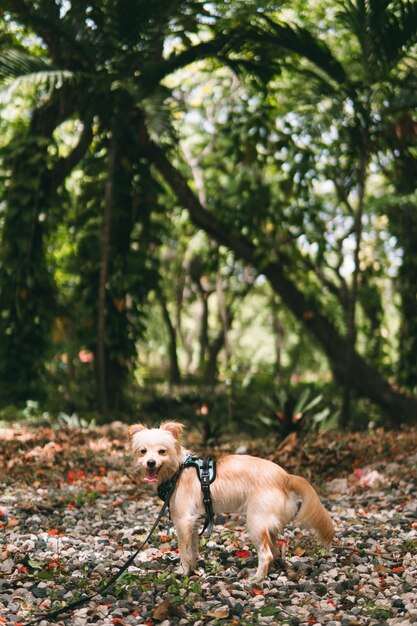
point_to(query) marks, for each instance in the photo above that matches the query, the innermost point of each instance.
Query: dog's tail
(312, 513)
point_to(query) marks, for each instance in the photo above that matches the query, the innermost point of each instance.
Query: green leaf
(270, 611)
(301, 401)
(313, 403)
(320, 417)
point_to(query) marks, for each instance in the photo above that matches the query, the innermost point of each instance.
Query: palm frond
(300, 41)
(396, 31)
(15, 63)
(158, 115)
(48, 81)
(385, 30)
(22, 71)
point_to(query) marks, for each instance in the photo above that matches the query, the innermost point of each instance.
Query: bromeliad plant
(291, 413)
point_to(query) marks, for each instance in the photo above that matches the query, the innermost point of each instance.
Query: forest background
(208, 212)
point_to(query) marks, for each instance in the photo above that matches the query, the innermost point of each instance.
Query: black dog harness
(206, 472)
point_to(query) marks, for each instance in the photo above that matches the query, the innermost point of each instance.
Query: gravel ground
(64, 531)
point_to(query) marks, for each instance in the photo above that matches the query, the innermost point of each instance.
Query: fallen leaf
(243, 554)
(163, 611)
(289, 443)
(220, 614)
(299, 551)
(12, 522)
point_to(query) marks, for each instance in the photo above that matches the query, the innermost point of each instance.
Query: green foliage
(86, 498)
(75, 421)
(210, 413)
(31, 411)
(379, 612)
(26, 286)
(291, 412)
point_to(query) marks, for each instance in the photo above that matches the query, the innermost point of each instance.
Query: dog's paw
(256, 580)
(186, 570)
(256, 577)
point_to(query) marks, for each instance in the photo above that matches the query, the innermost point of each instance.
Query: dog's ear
(175, 428)
(136, 428)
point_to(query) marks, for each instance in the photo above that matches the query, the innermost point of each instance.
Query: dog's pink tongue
(151, 476)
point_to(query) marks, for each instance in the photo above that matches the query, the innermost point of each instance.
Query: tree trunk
(225, 317)
(407, 286)
(403, 222)
(204, 339)
(101, 359)
(366, 380)
(210, 369)
(353, 296)
(174, 369)
(278, 331)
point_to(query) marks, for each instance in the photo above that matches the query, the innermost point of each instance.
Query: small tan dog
(259, 489)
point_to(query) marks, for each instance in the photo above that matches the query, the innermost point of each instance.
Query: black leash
(206, 471)
(84, 599)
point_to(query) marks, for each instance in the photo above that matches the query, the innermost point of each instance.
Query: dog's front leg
(187, 535)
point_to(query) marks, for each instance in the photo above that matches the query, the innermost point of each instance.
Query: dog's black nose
(151, 463)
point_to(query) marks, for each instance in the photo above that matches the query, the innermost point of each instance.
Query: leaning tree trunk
(365, 380)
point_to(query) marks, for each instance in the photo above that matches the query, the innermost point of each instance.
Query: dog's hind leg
(262, 538)
(263, 545)
(266, 518)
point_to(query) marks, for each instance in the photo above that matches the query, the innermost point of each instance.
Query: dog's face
(157, 451)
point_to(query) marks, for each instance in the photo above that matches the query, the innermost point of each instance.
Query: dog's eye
(143, 451)
(162, 452)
